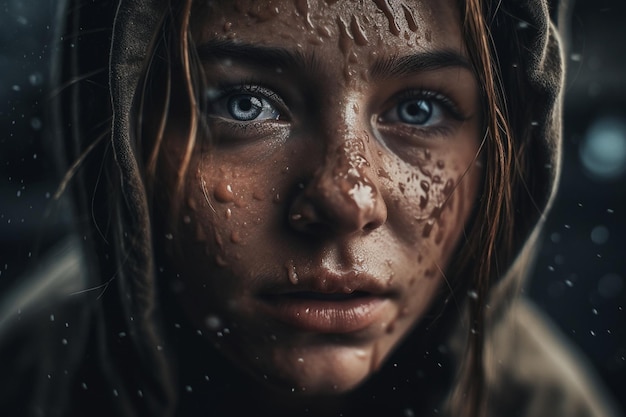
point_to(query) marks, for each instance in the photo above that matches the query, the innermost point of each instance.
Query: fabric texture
(123, 362)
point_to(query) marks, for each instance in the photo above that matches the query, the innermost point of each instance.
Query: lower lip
(328, 316)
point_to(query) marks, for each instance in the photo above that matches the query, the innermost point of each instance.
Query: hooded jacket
(90, 339)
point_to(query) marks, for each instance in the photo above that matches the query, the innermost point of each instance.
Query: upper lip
(325, 282)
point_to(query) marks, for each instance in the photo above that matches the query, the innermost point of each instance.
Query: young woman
(306, 207)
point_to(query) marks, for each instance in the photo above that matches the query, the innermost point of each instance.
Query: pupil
(245, 104)
(415, 111)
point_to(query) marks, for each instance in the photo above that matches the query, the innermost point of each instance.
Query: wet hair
(492, 235)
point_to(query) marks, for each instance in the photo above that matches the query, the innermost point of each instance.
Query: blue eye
(416, 111)
(247, 108)
(246, 103)
(421, 109)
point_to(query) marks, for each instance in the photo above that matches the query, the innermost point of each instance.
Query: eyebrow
(255, 55)
(277, 57)
(398, 66)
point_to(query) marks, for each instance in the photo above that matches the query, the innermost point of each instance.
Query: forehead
(346, 26)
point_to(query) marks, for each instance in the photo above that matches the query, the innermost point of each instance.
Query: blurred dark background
(580, 275)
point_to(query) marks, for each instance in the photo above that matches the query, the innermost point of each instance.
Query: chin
(322, 371)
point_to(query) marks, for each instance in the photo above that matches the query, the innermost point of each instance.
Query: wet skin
(316, 229)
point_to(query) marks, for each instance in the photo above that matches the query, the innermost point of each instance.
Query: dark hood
(101, 67)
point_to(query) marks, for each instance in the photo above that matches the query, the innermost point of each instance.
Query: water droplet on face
(410, 19)
(291, 272)
(224, 193)
(357, 31)
(345, 38)
(423, 201)
(385, 7)
(235, 237)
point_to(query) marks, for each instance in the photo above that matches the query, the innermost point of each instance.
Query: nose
(342, 197)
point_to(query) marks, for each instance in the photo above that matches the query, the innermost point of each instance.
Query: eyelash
(252, 88)
(448, 105)
(442, 104)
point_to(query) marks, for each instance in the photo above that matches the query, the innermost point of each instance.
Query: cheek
(228, 211)
(433, 199)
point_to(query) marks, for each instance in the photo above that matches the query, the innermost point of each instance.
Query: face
(318, 222)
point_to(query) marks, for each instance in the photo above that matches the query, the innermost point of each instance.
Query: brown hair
(490, 242)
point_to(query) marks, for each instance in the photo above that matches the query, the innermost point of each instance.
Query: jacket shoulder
(532, 370)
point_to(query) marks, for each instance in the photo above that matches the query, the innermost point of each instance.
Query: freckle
(235, 237)
(425, 186)
(441, 164)
(223, 193)
(228, 213)
(412, 281)
(429, 273)
(428, 228)
(420, 258)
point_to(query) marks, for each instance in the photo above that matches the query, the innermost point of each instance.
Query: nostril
(371, 226)
(307, 221)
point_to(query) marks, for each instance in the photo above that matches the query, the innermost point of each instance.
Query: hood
(100, 67)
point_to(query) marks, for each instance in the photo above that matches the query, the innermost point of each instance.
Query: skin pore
(318, 221)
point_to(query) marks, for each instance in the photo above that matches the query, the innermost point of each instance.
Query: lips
(329, 303)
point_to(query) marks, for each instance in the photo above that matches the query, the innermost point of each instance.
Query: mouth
(327, 312)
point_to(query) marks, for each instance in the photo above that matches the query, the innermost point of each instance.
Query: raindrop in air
(599, 235)
(603, 151)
